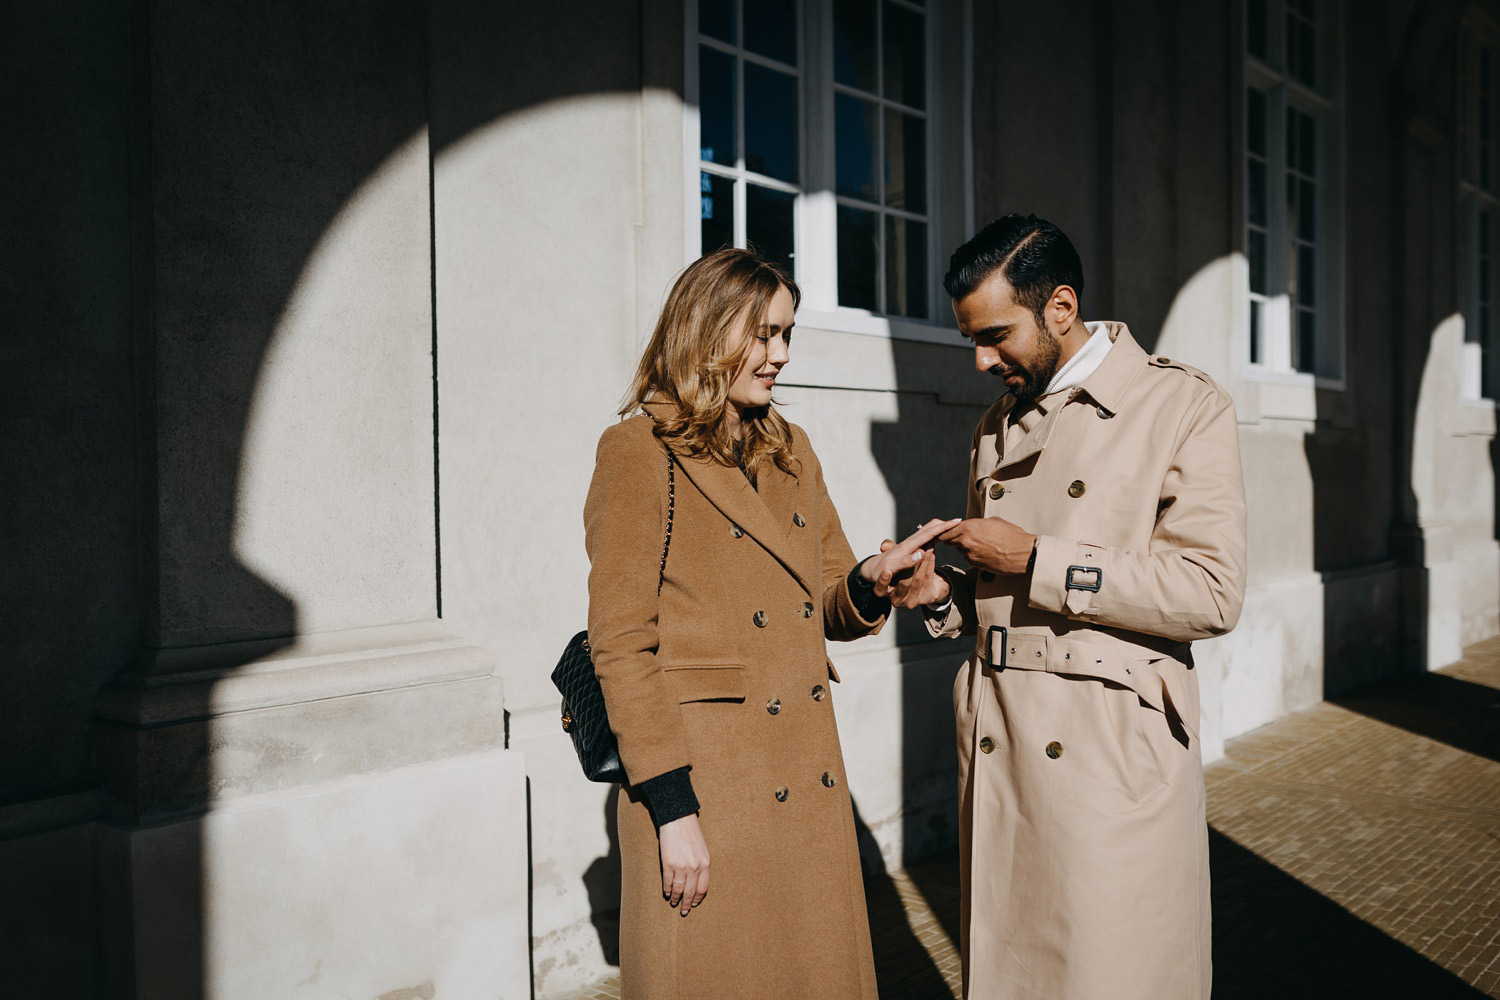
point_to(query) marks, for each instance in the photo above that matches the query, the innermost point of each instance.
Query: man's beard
(1036, 373)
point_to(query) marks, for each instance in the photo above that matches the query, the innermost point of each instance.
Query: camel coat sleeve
(625, 521)
(1190, 584)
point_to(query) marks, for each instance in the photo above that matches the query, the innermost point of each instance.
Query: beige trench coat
(727, 672)
(1083, 845)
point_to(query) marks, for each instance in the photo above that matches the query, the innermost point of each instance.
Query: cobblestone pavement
(1355, 850)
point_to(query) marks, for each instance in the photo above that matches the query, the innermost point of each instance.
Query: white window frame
(1477, 31)
(1283, 92)
(950, 213)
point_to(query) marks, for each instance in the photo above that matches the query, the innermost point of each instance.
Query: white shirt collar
(1083, 364)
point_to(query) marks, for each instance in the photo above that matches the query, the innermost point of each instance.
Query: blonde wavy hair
(688, 363)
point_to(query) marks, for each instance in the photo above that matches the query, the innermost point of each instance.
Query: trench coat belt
(1007, 649)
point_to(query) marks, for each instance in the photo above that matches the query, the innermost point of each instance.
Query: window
(1479, 204)
(749, 124)
(819, 125)
(1292, 196)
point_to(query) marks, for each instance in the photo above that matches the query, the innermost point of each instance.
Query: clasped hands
(906, 571)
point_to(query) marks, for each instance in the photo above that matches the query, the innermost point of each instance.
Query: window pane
(1255, 192)
(716, 19)
(905, 66)
(1302, 42)
(718, 211)
(854, 43)
(905, 267)
(1255, 249)
(770, 122)
(768, 223)
(856, 146)
(1307, 340)
(1307, 211)
(1257, 323)
(859, 252)
(1255, 121)
(1257, 30)
(716, 123)
(905, 161)
(1307, 276)
(1307, 144)
(771, 29)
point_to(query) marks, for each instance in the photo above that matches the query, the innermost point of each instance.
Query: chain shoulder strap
(671, 508)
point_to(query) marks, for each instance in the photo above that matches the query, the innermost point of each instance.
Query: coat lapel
(1033, 442)
(765, 516)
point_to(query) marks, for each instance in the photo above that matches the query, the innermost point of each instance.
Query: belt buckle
(1004, 641)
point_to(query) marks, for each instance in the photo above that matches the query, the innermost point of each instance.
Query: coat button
(1054, 749)
(987, 745)
(807, 609)
(1103, 414)
(997, 491)
(773, 706)
(760, 619)
(1164, 360)
(736, 531)
(819, 692)
(1076, 488)
(828, 780)
(797, 520)
(782, 792)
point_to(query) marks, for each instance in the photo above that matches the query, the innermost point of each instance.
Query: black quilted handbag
(583, 716)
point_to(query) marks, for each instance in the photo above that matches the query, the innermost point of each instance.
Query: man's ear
(1061, 309)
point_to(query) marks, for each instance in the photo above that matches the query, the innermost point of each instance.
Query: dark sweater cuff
(870, 605)
(669, 796)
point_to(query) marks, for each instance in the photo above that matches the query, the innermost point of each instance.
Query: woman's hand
(893, 570)
(684, 862)
(923, 585)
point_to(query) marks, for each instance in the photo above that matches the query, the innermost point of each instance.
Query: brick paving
(1355, 850)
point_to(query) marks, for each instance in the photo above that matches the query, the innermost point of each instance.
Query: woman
(713, 664)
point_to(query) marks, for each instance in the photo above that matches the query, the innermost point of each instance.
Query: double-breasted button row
(807, 609)
(1076, 488)
(987, 745)
(760, 619)
(828, 780)
(997, 491)
(798, 521)
(818, 693)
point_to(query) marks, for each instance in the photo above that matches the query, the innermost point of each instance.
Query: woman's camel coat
(726, 671)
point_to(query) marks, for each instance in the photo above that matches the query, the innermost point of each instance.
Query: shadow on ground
(1275, 937)
(1460, 713)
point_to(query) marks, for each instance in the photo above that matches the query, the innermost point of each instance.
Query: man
(1105, 531)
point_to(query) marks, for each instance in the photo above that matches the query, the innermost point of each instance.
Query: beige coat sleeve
(1191, 582)
(624, 520)
(841, 620)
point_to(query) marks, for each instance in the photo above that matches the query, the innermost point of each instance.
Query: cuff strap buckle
(1092, 585)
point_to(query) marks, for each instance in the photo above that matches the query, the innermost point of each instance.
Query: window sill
(1475, 418)
(871, 324)
(1291, 395)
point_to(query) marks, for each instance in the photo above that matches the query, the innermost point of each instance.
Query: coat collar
(1106, 386)
(765, 516)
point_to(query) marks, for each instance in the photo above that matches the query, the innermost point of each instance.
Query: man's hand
(991, 543)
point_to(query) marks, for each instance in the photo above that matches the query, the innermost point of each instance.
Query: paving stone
(1355, 850)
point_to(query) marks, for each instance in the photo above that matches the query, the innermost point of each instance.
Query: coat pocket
(706, 681)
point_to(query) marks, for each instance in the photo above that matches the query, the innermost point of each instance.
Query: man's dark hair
(1032, 254)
